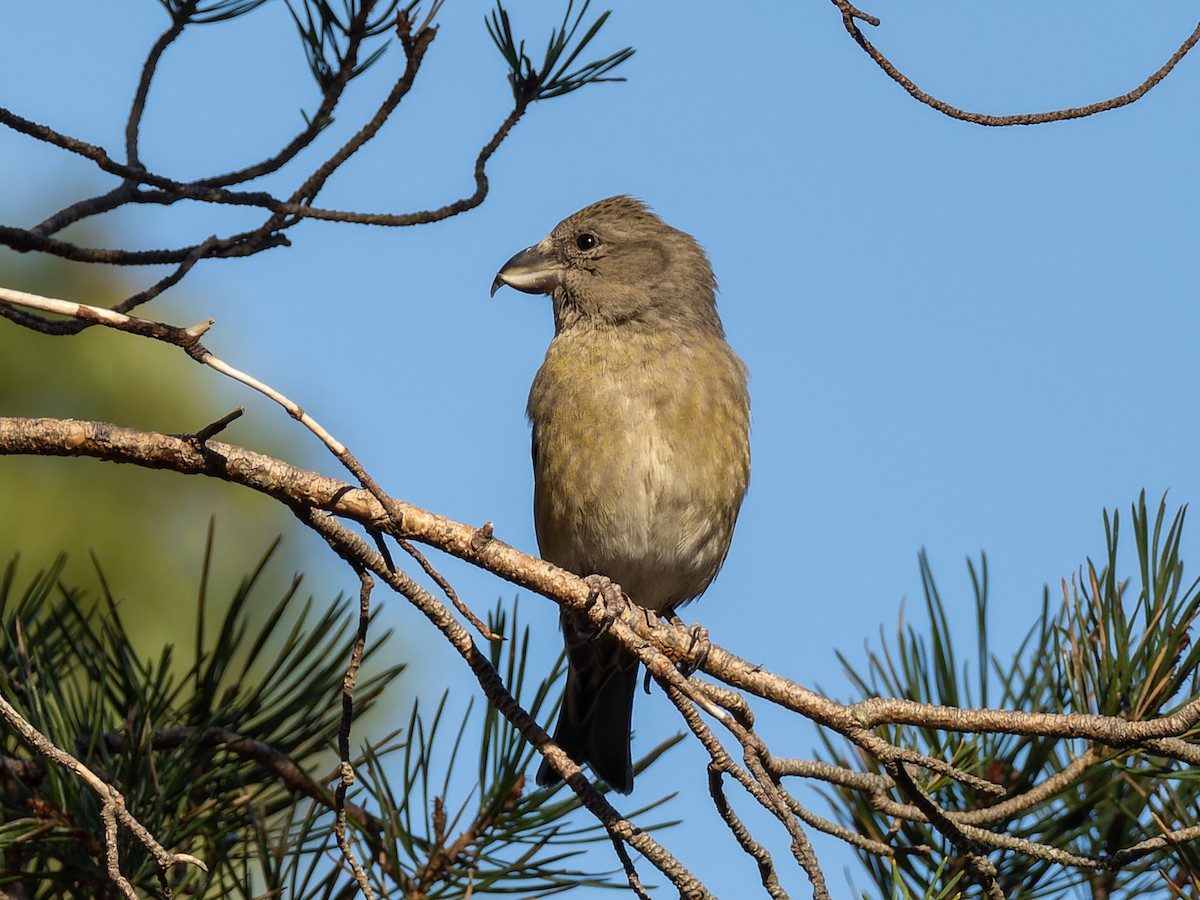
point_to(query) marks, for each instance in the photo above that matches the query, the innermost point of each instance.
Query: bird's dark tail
(594, 722)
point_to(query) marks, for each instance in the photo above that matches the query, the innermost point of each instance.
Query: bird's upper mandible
(535, 270)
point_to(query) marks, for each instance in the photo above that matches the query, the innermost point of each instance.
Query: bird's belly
(645, 509)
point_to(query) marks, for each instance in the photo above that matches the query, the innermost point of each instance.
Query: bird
(641, 453)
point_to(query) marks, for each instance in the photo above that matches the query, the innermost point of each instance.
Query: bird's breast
(641, 459)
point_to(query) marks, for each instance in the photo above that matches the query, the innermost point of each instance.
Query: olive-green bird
(641, 452)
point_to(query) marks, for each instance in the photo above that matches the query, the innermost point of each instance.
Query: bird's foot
(698, 648)
(605, 590)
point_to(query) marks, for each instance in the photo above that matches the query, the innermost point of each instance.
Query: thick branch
(300, 488)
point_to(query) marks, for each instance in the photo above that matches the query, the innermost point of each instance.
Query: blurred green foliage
(150, 726)
(147, 526)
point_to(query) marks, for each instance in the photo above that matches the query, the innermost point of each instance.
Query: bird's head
(616, 263)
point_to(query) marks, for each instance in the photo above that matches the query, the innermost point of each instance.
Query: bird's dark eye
(586, 241)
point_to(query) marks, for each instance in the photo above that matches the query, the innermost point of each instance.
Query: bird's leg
(653, 620)
(699, 646)
(604, 589)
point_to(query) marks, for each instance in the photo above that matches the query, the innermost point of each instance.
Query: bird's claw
(698, 649)
(603, 589)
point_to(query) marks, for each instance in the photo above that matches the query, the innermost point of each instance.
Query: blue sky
(960, 338)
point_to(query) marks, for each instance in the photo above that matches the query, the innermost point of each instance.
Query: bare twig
(347, 766)
(766, 866)
(179, 18)
(851, 16)
(448, 590)
(212, 429)
(631, 875)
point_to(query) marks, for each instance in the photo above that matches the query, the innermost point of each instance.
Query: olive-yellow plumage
(640, 441)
